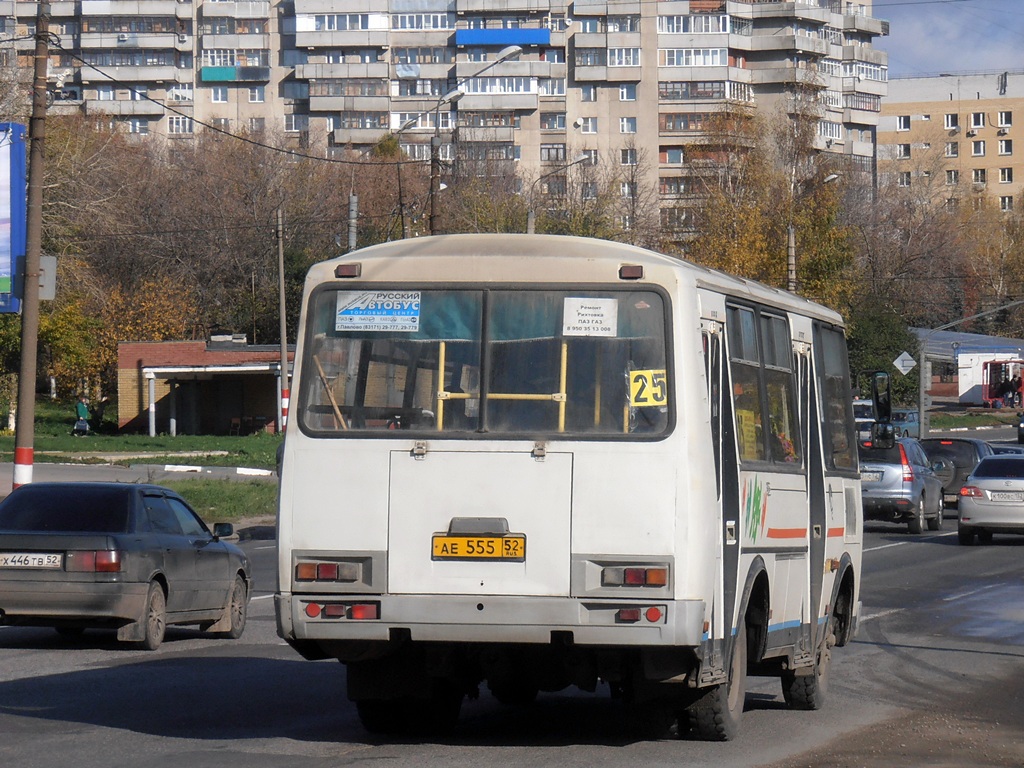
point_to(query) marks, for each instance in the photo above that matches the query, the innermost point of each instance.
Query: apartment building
(623, 81)
(954, 134)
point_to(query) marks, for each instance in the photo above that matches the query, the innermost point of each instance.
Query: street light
(531, 218)
(506, 53)
(791, 232)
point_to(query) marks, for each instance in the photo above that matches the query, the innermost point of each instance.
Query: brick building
(220, 387)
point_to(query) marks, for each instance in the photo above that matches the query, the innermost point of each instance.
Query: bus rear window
(500, 362)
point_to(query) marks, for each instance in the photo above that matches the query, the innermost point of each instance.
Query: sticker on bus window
(590, 317)
(378, 311)
(647, 388)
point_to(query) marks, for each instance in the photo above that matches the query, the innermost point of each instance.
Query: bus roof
(520, 247)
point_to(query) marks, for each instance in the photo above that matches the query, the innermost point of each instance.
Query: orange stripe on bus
(787, 533)
(834, 532)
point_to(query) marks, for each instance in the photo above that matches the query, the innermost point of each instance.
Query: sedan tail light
(94, 561)
(973, 491)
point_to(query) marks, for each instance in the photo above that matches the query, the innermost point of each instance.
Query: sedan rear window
(1000, 467)
(55, 509)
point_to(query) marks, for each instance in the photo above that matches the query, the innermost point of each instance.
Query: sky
(932, 37)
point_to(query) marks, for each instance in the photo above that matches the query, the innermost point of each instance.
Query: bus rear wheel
(716, 715)
(810, 689)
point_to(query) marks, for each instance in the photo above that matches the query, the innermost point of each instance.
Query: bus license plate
(502, 548)
(30, 560)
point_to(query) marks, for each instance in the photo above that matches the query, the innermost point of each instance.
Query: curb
(153, 471)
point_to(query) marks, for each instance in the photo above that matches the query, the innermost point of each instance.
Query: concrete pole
(24, 435)
(283, 319)
(173, 397)
(151, 382)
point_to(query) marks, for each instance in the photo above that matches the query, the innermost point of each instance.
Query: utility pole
(24, 432)
(285, 390)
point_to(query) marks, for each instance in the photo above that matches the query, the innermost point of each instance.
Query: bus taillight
(638, 576)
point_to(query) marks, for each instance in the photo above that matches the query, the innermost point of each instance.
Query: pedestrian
(81, 417)
(1015, 390)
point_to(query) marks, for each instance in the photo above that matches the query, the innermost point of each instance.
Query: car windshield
(963, 454)
(869, 453)
(863, 411)
(63, 509)
(1000, 467)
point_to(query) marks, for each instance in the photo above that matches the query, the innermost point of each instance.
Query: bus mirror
(880, 396)
(883, 435)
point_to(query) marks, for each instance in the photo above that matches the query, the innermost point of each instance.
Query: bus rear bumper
(492, 619)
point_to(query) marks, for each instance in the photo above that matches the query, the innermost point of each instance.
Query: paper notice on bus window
(590, 317)
(378, 311)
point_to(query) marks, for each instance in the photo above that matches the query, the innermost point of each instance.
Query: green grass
(227, 501)
(53, 423)
(974, 418)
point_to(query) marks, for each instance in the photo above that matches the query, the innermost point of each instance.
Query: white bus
(535, 462)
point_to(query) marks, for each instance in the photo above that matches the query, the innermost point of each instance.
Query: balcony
(113, 40)
(124, 108)
(331, 6)
(124, 8)
(376, 70)
(237, 42)
(362, 38)
(800, 11)
(487, 135)
(798, 43)
(475, 102)
(500, 38)
(488, 6)
(140, 74)
(238, 10)
(234, 74)
(349, 103)
(865, 25)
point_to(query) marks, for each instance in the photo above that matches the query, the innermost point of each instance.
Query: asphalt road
(932, 680)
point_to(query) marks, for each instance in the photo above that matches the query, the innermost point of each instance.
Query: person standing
(81, 417)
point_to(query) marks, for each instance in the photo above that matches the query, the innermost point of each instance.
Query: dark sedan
(958, 456)
(134, 558)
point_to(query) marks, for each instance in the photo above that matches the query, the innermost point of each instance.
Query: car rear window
(64, 509)
(1000, 467)
(961, 454)
(881, 455)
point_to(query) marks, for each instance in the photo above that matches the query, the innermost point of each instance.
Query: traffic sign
(904, 363)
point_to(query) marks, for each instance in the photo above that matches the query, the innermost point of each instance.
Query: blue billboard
(12, 211)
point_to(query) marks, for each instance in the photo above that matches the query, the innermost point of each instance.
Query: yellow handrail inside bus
(330, 394)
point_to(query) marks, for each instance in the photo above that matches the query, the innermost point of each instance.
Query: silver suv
(899, 484)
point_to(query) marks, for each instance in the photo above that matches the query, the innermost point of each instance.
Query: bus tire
(716, 715)
(384, 716)
(809, 690)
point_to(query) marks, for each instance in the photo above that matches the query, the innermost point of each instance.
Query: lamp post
(509, 52)
(791, 231)
(531, 218)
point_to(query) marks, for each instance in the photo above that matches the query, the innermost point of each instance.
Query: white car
(992, 499)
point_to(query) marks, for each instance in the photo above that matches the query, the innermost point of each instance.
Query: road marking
(879, 615)
(968, 594)
(909, 541)
(268, 546)
(262, 597)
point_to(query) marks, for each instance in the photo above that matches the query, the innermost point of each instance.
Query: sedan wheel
(155, 619)
(237, 609)
(935, 523)
(916, 523)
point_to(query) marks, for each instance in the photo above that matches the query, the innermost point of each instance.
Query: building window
(257, 124)
(591, 155)
(627, 156)
(903, 179)
(179, 125)
(589, 190)
(952, 178)
(552, 153)
(627, 92)
(219, 94)
(627, 189)
(552, 121)
(588, 125)
(295, 123)
(977, 119)
(551, 86)
(952, 122)
(139, 126)
(105, 92)
(978, 148)
(257, 94)
(588, 93)
(952, 149)
(627, 125)
(670, 156)
(903, 123)
(1006, 203)
(180, 92)
(1006, 175)
(1005, 119)
(1006, 146)
(978, 176)
(623, 57)
(902, 151)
